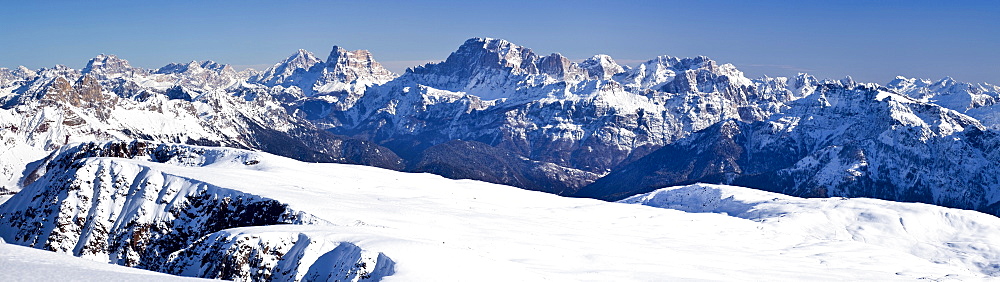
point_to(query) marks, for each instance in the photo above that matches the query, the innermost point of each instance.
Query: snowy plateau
(495, 164)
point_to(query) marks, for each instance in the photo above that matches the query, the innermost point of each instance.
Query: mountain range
(673, 168)
(498, 112)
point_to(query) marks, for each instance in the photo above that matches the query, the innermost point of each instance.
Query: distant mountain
(588, 117)
(197, 103)
(845, 140)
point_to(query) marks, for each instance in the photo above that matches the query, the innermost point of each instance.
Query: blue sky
(869, 40)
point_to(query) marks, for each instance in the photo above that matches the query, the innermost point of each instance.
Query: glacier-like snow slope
(19, 263)
(376, 223)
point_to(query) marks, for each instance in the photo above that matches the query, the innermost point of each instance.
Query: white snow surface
(436, 229)
(958, 239)
(19, 263)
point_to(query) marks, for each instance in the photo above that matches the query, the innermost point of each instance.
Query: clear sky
(872, 40)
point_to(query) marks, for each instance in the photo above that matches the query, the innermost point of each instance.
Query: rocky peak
(694, 75)
(285, 72)
(213, 66)
(561, 68)
(194, 67)
(108, 65)
(11, 75)
(86, 93)
(347, 66)
(947, 92)
(601, 67)
(25, 72)
(494, 54)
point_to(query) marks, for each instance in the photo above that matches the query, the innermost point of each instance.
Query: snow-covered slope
(122, 202)
(26, 264)
(943, 236)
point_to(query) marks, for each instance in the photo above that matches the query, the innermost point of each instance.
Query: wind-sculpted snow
(234, 214)
(944, 236)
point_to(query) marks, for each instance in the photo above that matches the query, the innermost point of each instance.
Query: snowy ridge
(941, 235)
(370, 223)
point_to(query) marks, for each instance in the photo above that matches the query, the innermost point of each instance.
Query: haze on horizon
(872, 41)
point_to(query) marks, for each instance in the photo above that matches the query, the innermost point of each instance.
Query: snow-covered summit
(288, 71)
(601, 67)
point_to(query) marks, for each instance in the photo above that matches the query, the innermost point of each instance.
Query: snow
(436, 229)
(963, 240)
(19, 263)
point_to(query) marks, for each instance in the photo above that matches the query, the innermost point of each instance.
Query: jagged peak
(300, 56)
(24, 69)
(491, 45)
(695, 62)
(848, 81)
(487, 43)
(106, 63)
(339, 55)
(21, 72)
(599, 58)
(194, 66)
(336, 52)
(360, 62)
(483, 50)
(301, 59)
(946, 81)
